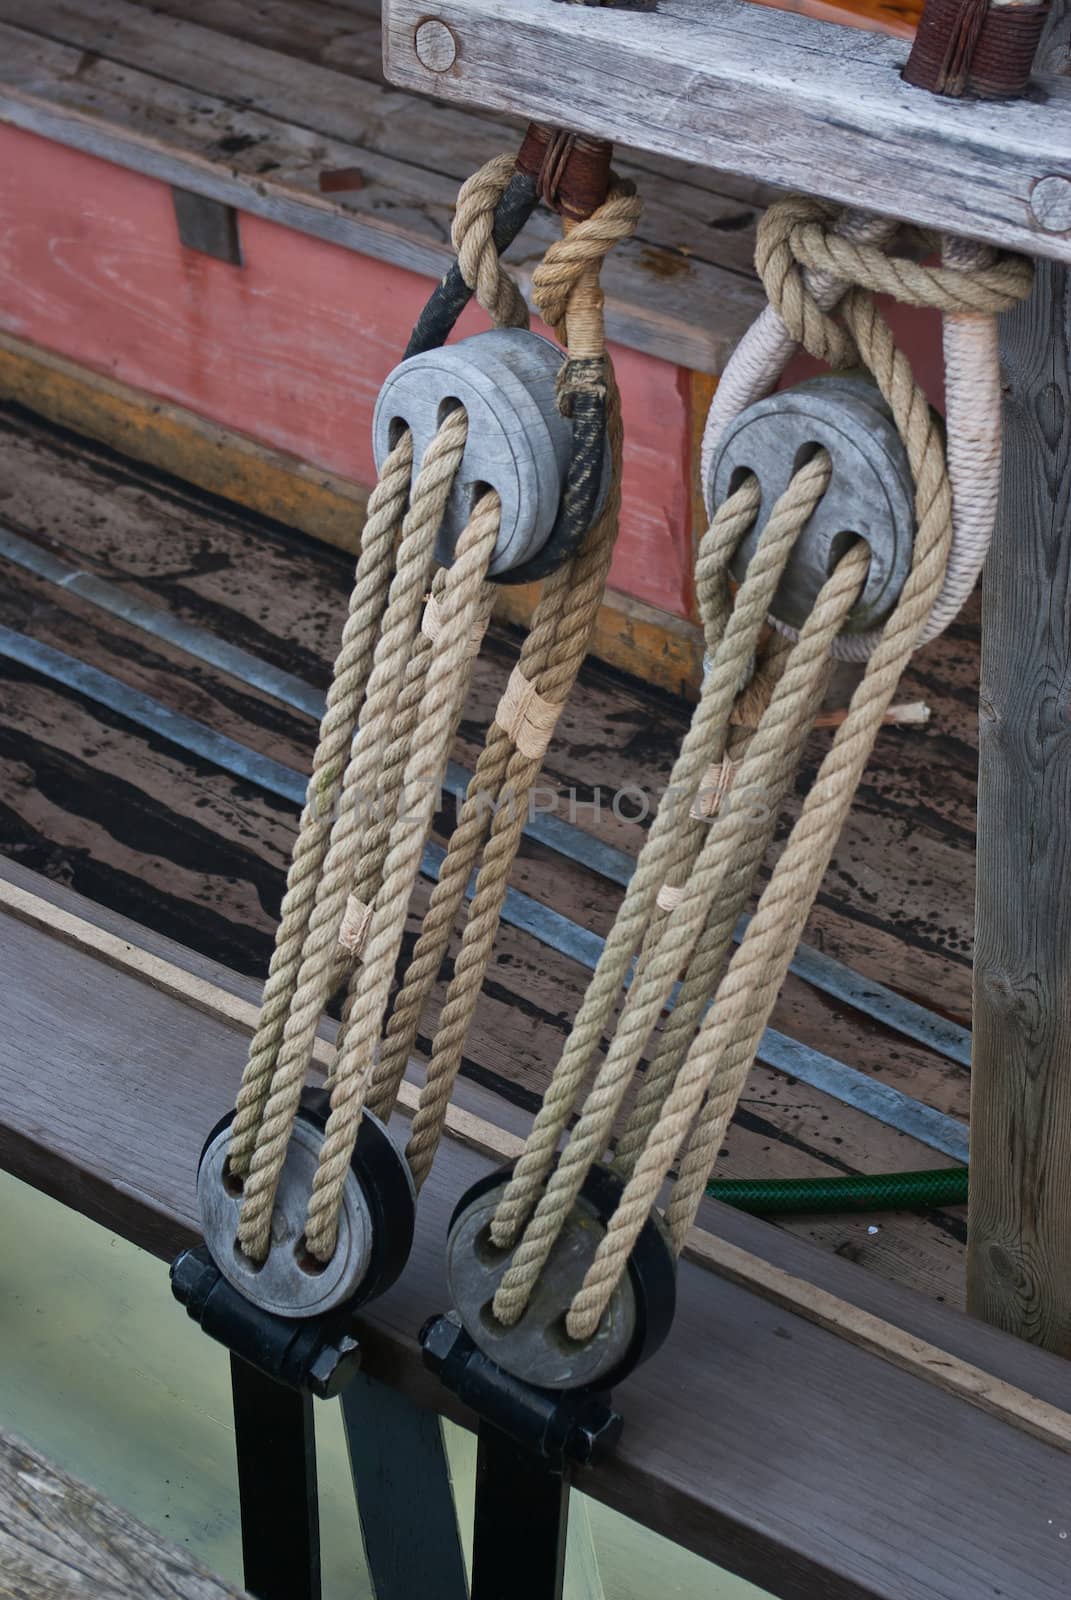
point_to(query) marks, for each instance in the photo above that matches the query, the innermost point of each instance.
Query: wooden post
(1019, 1255)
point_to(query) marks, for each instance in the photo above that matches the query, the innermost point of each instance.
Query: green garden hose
(883, 1191)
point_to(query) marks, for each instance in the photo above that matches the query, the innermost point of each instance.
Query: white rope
(972, 408)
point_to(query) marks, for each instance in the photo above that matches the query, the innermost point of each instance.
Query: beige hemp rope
(511, 761)
(401, 684)
(692, 877)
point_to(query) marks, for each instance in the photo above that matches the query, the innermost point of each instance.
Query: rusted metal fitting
(976, 47)
(571, 171)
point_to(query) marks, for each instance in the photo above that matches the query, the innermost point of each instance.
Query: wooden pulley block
(375, 1229)
(519, 443)
(870, 495)
(538, 1348)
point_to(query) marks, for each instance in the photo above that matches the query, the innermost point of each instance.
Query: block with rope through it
(519, 441)
(870, 493)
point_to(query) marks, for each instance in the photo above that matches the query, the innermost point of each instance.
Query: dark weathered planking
(754, 1438)
(768, 95)
(1019, 1260)
(58, 1539)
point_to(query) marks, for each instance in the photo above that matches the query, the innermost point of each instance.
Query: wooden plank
(1019, 1260)
(972, 1341)
(755, 1458)
(817, 107)
(881, 1339)
(214, 144)
(861, 1328)
(58, 1538)
(210, 47)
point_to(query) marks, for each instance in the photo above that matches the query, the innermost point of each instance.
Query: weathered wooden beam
(129, 1064)
(1019, 1253)
(58, 1538)
(765, 94)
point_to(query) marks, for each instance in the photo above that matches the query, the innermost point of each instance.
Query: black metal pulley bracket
(543, 1399)
(288, 1324)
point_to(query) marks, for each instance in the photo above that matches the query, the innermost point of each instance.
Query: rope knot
(472, 236)
(800, 233)
(565, 284)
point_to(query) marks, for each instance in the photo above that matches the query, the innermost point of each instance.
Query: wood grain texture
(811, 105)
(641, 639)
(256, 129)
(794, 1458)
(59, 1539)
(1019, 1261)
(178, 441)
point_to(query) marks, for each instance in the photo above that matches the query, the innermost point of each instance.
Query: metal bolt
(1050, 204)
(435, 45)
(598, 1428)
(439, 1338)
(333, 1368)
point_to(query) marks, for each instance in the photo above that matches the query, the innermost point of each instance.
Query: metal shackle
(870, 493)
(519, 444)
(375, 1225)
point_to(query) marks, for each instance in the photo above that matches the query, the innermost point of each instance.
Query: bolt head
(439, 1338)
(598, 1428)
(1050, 204)
(333, 1368)
(435, 45)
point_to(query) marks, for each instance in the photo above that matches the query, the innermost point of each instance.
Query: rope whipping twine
(398, 690)
(759, 700)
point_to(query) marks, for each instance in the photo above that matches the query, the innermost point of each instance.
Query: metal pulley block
(870, 494)
(537, 1348)
(375, 1230)
(519, 444)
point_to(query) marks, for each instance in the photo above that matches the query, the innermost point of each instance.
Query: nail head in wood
(435, 45)
(1050, 204)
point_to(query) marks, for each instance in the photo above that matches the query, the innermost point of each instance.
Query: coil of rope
(758, 703)
(398, 690)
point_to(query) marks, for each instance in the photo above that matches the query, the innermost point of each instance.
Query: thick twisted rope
(419, 798)
(701, 1061)
(807, 253)
(655, 865)
(319, 964)
(506, 772)
(377, 775)
(472, 237)
(499, 296)
(386, 509)
(721, 1054)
